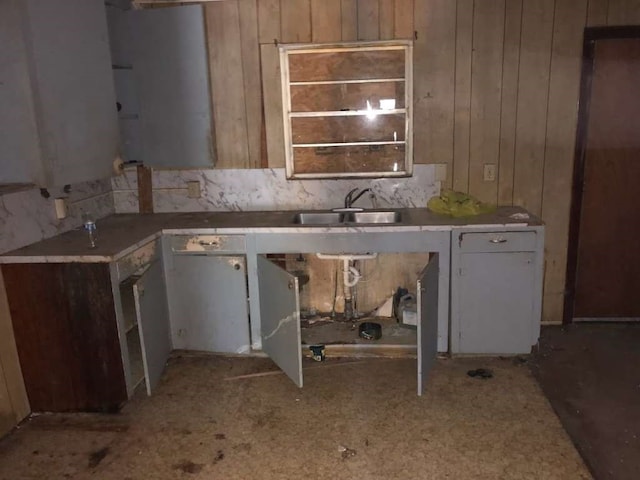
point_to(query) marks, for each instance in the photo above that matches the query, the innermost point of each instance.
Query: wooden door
(608, 257)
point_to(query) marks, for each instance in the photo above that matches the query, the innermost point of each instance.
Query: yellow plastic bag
(458, 204)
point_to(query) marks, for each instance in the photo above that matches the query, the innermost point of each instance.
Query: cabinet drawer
(207, 243)
(524, 241)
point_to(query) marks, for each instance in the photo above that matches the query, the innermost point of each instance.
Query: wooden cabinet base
(67, 337)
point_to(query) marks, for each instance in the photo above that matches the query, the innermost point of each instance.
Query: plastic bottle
(90, 227)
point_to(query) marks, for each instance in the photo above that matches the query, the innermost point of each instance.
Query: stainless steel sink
(372, 216)
(338, 218)
(318, 218)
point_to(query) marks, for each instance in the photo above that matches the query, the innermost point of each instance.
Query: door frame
(591, 35)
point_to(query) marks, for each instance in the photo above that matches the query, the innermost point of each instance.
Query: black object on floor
(482, 373)
(590, 374)
(370, 330)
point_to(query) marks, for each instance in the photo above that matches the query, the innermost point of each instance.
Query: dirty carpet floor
(361, 420)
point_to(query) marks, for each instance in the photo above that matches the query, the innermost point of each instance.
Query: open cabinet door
(153, 323)
(280, 318)
(427, 289)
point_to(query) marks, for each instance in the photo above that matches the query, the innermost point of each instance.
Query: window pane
(382, 128)
(350, 65)
(346, 96)
(353, 159)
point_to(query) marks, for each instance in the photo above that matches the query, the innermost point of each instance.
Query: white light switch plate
(489, 174)
(193, 189)
(441, 172)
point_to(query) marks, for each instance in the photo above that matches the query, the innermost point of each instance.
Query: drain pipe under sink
(350, 276)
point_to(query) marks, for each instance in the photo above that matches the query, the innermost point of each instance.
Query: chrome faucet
(349, 199)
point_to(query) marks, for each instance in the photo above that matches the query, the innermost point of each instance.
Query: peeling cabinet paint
(137, 259)
(208, 243)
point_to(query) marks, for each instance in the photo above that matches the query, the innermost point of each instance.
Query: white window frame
(285, 50)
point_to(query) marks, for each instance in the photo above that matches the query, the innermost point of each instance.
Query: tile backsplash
(26, 216)
(268, 189)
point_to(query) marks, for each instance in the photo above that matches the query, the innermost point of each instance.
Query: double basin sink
(348, 217)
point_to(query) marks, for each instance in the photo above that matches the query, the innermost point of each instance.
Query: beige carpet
(350, 421)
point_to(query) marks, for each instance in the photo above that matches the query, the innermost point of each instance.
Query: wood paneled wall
(495, 81)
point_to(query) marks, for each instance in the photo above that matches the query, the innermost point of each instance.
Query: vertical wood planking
(326, 25)
(533, 90)
(597, 12)
(272, 98)
(268, 20)
(145, 189)
(509, 100)
(251, 74)
(564, 86)
(623, 12)
(77, 346)
(349, 20)
(462, 103)
(227, 83)
(434, 78)
(16, 406)
(295, 16)
(486, 86)
(368, 20)
(403, 19)
(386, 19)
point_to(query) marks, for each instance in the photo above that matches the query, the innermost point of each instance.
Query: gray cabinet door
(280, 318)
(172, 82)
(72, 92)
(153, 323)
(208, 302)
(493, 295)
(427, 289)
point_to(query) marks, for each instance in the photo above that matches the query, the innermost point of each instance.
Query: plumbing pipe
(348, 271)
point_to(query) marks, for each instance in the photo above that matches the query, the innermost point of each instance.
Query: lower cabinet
(280, 318)
(88, 334)
(83, 341)
(144, 327)
(208, 302)
(495, 291)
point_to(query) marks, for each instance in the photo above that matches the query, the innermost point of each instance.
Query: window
(347, 109)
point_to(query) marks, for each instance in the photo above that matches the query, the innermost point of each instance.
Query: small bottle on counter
(90, 227)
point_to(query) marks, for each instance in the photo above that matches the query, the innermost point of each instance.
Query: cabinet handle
(498, 240)
(211, 243)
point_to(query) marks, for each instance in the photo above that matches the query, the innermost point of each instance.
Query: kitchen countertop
(120, 234)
